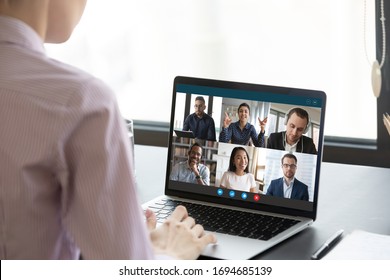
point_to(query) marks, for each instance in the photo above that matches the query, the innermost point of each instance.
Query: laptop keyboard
(222, 220)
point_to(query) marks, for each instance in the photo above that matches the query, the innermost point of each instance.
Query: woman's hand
(179, 236)
(263, 123)
(227, 121)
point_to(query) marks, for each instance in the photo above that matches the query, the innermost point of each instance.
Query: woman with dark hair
(242, 132)
(238, 176)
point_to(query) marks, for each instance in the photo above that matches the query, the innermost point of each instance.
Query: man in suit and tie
(288, 186)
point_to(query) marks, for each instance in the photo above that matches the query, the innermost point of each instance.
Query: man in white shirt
(288, 186)
(297, 123)
(191, 170)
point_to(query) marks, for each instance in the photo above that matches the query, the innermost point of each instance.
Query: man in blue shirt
(201, 124)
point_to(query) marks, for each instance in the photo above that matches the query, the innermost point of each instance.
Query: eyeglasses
(292, 166)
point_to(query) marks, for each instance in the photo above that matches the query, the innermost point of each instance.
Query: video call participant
(288, 186)
(72, 190)
(238, 177)
(200, 123)
(191, 170)
(297, 123)
(240, 132)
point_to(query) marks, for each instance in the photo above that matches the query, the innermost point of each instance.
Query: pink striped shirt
(66, 179)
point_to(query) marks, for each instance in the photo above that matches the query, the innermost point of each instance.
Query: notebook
(249, 211)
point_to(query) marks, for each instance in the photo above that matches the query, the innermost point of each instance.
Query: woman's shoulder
(228, 173)
(250, 126)
(250, 175)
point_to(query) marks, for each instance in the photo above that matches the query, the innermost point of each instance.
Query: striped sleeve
(102, 211)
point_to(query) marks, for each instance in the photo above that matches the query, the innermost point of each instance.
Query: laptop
(184, 133)
(246, 222)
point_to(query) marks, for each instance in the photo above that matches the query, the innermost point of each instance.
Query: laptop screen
(255, 146)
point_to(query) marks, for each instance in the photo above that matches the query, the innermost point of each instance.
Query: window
(138, 47)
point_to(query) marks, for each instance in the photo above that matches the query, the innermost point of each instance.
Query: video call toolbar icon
(232, 194)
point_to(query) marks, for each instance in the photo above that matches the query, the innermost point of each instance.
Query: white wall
(138, 47)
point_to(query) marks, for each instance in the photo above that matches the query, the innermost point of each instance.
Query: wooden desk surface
(351, 197)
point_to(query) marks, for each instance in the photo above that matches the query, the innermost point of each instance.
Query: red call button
(256, 197)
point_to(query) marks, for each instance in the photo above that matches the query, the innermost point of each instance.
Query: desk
(351, 197)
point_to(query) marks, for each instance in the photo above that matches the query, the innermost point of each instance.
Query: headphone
(298, 111)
